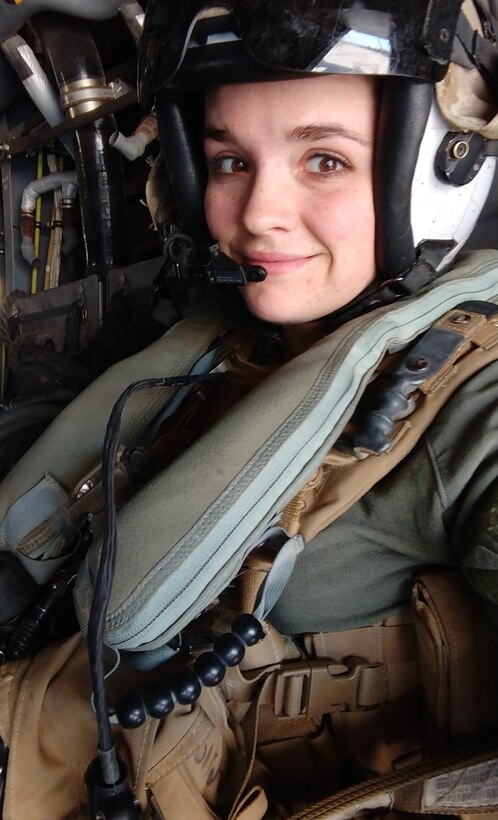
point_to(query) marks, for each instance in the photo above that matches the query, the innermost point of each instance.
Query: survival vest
(290, 424)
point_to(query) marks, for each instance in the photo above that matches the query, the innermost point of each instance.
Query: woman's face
(290, 189)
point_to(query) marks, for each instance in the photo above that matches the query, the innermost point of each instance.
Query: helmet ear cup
(404, 107)
(442, 212)
(181, 127)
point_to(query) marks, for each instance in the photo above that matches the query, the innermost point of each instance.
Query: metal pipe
(80, 76)
(14, 17)
(16, 146)
(25, 63)
(67, 181)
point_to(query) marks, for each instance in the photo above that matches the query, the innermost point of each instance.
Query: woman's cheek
(220, 219)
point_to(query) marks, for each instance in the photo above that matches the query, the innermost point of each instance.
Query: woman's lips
(277, 263)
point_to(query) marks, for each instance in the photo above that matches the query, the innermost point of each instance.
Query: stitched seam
(10, 790)
(142, 752)
(455, 670)
(269, 635)
(441, 490)
(13, 677)
(163, 393)
(165, 769)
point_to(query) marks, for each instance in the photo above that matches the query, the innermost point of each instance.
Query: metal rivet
(461, 319)
(417, 363)
(444, 35)
(460, 149)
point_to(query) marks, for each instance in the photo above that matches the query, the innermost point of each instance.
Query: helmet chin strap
(408, 283)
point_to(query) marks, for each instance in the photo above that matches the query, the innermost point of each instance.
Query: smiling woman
(341, 147)
(323, 440)
(290, 189)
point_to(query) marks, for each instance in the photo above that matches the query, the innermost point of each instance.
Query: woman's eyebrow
(319, 132)
(218, 134)
(309, 133)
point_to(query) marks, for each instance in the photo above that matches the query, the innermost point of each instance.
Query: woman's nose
(270, 202)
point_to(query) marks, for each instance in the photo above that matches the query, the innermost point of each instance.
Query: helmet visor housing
(409, 38)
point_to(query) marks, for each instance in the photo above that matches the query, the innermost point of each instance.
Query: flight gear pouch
(196, 764)
(190, 765)
(457, 660)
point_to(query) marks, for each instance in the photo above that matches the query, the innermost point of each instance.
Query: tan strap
(342, 479)
(391, 790)
(253, 805)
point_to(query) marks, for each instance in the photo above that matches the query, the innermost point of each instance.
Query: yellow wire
(36, 238)
(4, 370)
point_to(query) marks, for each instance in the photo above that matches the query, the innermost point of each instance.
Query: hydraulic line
(36, 238)
(3, 349)
(80, 77)
(54, 252)
(31, 200)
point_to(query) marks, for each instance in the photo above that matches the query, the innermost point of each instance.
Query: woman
(341, 184)
(317, 196)
(332, 174)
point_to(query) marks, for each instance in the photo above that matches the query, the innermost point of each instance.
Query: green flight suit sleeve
(480, 563)
(438, 508)
(463, 445)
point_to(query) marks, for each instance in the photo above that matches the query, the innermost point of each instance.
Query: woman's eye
(227, 165)
(325, 164)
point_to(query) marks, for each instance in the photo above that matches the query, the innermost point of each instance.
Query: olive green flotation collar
(184, 536)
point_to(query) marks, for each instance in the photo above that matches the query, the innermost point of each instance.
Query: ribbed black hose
(73, 55)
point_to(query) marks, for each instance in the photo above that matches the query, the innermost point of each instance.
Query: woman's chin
(263, 309)
(277, 311)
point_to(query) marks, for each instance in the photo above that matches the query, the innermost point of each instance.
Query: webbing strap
(344, 477)
(280, 572)
(387, 791)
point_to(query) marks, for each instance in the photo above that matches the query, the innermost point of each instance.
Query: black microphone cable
(107, 769)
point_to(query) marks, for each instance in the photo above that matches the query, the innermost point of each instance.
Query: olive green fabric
(185, 534)
(438, 507)
(72, 445)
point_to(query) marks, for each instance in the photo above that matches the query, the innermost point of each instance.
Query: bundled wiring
(38, 213)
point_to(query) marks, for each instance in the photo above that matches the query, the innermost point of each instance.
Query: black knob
(131, 711)
(186, 686)
(248, 629)
(210, 669)
(159, 701)
(229, 648)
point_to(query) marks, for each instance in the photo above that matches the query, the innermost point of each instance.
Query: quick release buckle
(317, 687)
